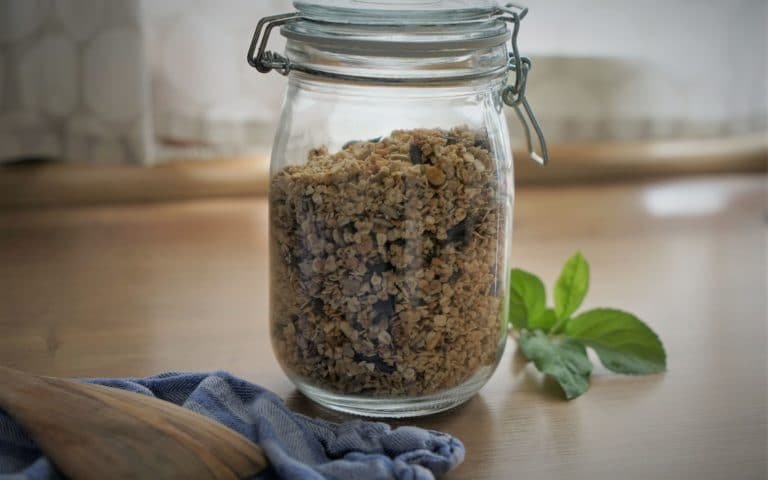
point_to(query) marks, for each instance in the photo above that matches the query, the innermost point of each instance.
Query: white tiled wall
(73, 81)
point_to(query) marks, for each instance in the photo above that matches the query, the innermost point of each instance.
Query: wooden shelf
(616, 161)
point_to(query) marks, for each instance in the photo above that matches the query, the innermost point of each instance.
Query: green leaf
(622, 341)
(517, 315)
(566, 361)
(544, 322)
(527, 294)
(572, 286)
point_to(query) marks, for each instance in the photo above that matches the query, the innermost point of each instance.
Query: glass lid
(398, 27)
(397, 12)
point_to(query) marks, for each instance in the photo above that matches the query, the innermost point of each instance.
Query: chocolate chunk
(451, 139)
(457, 273)
(311, 351)
(352, 142)
(384, 308)
(416, 155)
(482, 141)
(461, 233)
(377, 361)
(317, 305)
(431, 253)
(380, 267)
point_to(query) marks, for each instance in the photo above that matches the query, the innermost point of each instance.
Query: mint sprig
(556, 341)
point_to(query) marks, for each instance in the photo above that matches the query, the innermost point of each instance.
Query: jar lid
(398, 27)
(396, 12)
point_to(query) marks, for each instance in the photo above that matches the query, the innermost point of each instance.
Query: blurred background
(97, 90)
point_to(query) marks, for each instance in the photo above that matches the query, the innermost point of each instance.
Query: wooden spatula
(96, 432)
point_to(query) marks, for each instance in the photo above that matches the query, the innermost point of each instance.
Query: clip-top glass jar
(391, 198)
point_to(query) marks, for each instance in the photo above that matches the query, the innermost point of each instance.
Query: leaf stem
(558, 325)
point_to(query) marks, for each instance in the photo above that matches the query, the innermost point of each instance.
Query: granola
(386, 263)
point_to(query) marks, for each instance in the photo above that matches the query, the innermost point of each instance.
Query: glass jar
(391, 194)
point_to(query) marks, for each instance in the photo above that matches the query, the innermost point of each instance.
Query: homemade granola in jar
(391, 199)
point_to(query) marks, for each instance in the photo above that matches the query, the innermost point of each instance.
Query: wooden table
(134, 290)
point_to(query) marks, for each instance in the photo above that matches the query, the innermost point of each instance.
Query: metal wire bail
(514, 95)
(265, 61)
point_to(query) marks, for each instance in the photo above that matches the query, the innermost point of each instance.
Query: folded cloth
(298, 447)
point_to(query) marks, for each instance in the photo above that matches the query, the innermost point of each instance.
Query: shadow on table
(530, 379)
(297, 402)
(473, 415)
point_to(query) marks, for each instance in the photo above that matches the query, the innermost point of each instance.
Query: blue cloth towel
(298, 447)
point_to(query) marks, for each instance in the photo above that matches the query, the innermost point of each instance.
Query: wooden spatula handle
(96, 432)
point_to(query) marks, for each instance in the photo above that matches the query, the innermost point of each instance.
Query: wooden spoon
(96, 432)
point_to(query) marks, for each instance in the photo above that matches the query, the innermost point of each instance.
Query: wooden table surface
(135, 290)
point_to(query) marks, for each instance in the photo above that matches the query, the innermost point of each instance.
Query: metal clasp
(264, 60)
(514, 95)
